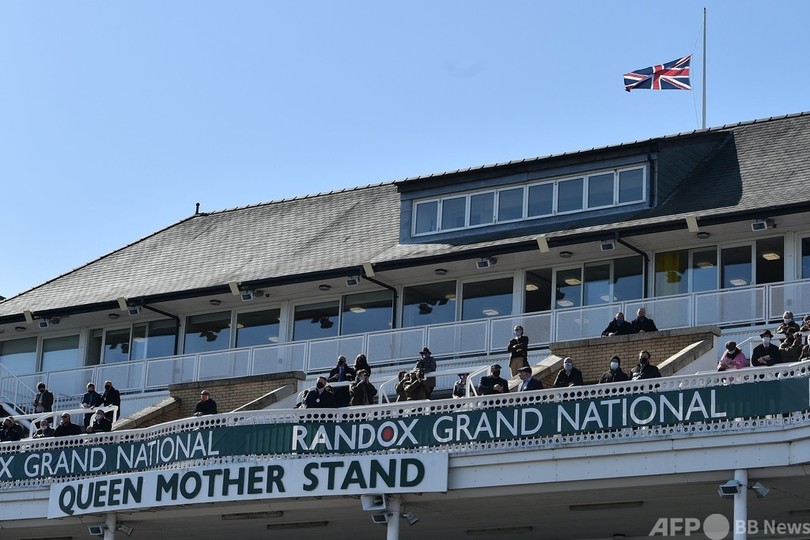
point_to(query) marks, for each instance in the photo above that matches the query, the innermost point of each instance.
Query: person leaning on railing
(733, 358)
(11, 430)
(791, 347)
(766, 353)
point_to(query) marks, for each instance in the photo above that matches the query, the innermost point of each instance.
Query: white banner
(260, 479)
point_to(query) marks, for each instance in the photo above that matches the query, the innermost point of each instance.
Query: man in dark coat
(493, 383)
(90, 400)
(644, 370)
(765, 354)
(342, 372)
(322, 397)
(518, 349)
(615, 373)
(66, 427)
(206, 405)
(111, 396)
(362, 391)
(642, 323)
(43, 401)
(618, 326)
(568, 375)
(527, 382)
(100, 423)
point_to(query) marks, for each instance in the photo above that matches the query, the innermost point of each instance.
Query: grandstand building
(707, 230)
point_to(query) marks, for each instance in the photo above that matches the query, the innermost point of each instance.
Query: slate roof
(715, 173)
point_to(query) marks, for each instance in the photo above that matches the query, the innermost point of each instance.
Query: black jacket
(618, 328)
(568, 379)
(486, 386)
(616, 375)
(645, 371)
(644, 325)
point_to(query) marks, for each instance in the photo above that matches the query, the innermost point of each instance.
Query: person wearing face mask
(518, 349)
(111, 396)
(615, 373)
(791, 347)
(733, 358)
(427, 364)
(320, 398)
(644, 370)
(787, 324)
(618, 326)
(765, 354)
(493, 383)
(568, 375)
(342, 372)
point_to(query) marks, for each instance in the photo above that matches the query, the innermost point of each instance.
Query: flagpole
(704, 68)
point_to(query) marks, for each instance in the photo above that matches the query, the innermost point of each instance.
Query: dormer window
(530, 200)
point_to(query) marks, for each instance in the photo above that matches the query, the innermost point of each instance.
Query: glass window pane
(314, 321)
(153, 339)
(510, 204)
(704, 270)
(367, 312)
(491, 298)
(600, 190)
(569, 195)
(453, 211)
(597, 284)
(432, 303)
(482, 208)
(628, 282)
(116, 346)
(541, 200)
(208, 332)
(257, 327)
(60, 353)
(19, 356)
(426, 217)
(771, 260)
(736, 267)
(569, 288)
(538, 290)
(805, 258)
(631, 186)
(670, 273)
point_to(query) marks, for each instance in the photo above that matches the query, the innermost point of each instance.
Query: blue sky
(117, 117)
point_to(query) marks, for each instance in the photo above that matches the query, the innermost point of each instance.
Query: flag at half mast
(670, 76)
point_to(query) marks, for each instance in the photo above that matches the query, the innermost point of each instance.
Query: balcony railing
(728, 307)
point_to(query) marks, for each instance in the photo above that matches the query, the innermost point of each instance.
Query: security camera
(126, 529)
(729, 489)
(380, 518)
(96, 530)
(410, 518)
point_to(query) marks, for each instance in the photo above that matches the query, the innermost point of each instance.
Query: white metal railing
(727, 307)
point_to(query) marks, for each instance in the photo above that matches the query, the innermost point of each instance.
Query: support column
(740, 523)
(393, 517)
(109, 526)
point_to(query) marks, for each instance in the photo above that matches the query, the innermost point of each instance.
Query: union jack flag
(670, 76)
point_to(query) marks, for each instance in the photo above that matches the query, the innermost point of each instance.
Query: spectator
(100, 423)
(791, 347)
(766, 353)
(527, 381)
(45, 430)
(206, 405)
(403, 378)
(417, 387)
(111, 396)
(493, 383)
(66, 427)
(342, 372)
(644, 370)
(460, 386)
(11, 430)
(90, 400)
(787, 324)
(618, 326)
(362, 391)
(322, 397)
(568, 375)
(43, 401)
(361, 362)
(733, 358)
(642, 324)
(518, 349)
(615, 373)
(805, 325)
(427, 364)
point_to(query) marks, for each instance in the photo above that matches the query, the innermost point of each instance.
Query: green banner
(464, 424)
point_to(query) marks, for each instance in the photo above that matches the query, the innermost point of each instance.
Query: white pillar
(393, 511)
(740, 523)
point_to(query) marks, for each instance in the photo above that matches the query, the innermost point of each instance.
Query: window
(510, 204)
(19, 356)
(538, 290)
(367, 312)
(770, 259)
(154, 339)
(116, 346)
(432, 303)
(569, 288)
(257, 327)
(312, 321)
(60, 353)
(208, 332)
(491, 298)
(602, 189)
